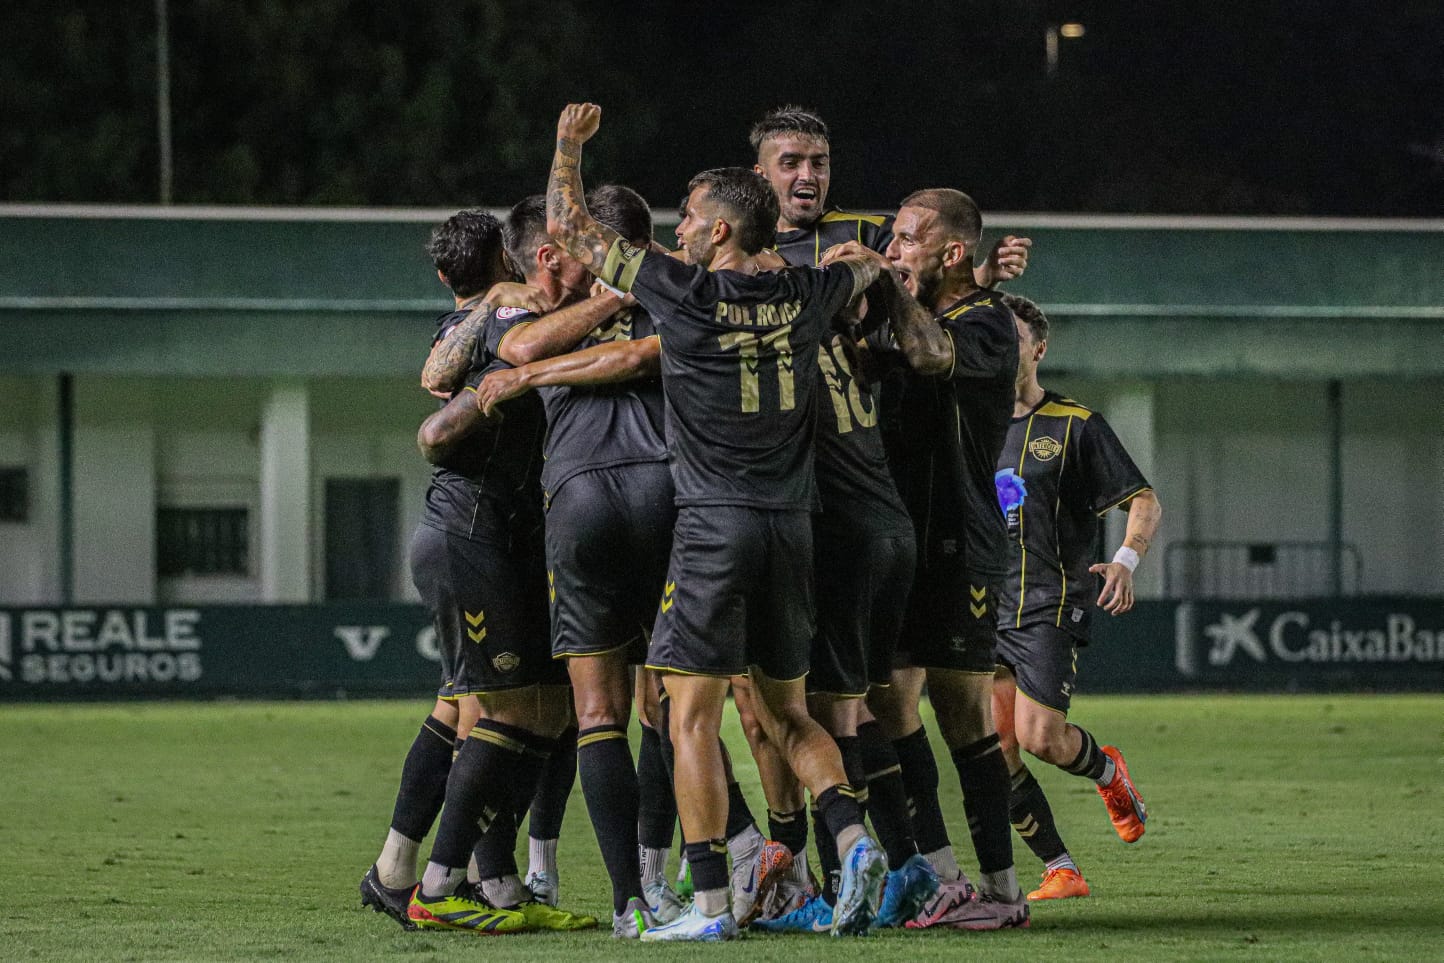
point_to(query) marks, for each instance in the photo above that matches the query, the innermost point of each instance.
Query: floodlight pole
(162, 97)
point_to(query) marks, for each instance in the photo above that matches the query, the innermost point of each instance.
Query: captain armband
(621, 266)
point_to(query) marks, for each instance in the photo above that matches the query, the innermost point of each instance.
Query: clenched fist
(579, 122)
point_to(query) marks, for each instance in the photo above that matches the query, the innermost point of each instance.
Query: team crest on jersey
(509, 312)
(506, 662)
(1045, 448)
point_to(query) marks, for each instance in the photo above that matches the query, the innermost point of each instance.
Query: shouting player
(737, 595)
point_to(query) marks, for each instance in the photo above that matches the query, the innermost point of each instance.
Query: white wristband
(1126, 557)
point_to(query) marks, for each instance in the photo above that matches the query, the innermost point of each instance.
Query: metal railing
(1194, 569)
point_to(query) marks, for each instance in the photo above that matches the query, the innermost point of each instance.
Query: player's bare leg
(1028, 807)
(602, 689)
(814, 756)
(759, 866)
(700, 784)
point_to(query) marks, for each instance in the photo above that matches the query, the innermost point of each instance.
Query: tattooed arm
(568, 222)
(448, 426)
(923, 342)
(450, 357)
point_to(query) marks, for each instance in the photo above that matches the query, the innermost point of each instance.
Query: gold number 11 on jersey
(748, 345)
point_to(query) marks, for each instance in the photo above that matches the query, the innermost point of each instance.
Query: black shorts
(862, 591)
(1044, 661)
(608, 538)
(738, 593)
(489, 608)
(951, 622)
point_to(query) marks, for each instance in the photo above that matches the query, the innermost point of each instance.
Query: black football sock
(983, 775)
(839, 809)
(739, 816)
(495, 851)
(423, 780)
(1091, 762)
(708, 860)
(789, 829)
(657, 816)
(478, 793)
(920, 780)
(887, 798)
(559, 773)
(1032, 817)
(827, 857)
(609, 784)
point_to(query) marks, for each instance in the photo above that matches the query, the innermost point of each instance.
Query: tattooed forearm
(451, 358)
(923, 342)
(568, 221)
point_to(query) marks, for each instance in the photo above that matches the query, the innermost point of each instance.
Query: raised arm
(568, 222)
(449, 425)
(598, 365)
(1007, 260)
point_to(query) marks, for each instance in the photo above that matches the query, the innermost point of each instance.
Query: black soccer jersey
(489, 487)
(807, 245)
(951, 431)
(739, 356)
(853, 479)
(599, 426)
(1061, 470)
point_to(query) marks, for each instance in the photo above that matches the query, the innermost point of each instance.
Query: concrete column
(1130, 412)
(114, 487)
(285, 529)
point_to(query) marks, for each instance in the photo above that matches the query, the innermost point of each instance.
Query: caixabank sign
(391, 649)
(1330, 644)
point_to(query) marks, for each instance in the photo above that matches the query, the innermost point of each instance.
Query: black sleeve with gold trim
(1108, 471)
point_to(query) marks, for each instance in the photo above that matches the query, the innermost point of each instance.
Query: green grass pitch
(1284, 827)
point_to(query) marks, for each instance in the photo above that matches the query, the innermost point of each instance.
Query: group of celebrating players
(804, 458)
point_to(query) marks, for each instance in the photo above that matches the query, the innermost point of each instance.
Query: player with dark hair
(503, 658)
(1061, 470)
(740, 427)
(794, 152)
(609, 532)
(462, 560)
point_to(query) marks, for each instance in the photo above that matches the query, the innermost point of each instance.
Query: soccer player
(794, 153)
(504, 659)
(609, 505)
(952, 431)
(469, 257)
(1061, 470)
(740, 427)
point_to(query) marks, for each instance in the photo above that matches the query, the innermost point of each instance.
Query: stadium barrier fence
(390, 649)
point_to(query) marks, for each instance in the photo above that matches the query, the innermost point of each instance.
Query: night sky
(1232, 108)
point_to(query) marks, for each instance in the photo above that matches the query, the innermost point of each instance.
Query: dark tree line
(1334, 108)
